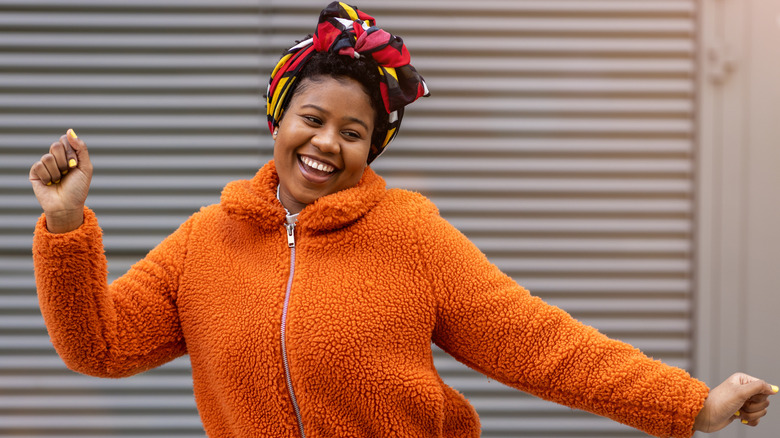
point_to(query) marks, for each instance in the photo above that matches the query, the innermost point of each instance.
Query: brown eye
(352, 134)
(313, 120)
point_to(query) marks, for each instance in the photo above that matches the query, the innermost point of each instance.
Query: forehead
(328, 88)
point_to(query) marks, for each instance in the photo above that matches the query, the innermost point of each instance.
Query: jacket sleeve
(493, 325)
(106, 330)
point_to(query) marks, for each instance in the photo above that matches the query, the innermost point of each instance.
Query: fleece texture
(379, 275)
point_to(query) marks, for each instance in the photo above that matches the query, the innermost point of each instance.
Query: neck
(290, 204)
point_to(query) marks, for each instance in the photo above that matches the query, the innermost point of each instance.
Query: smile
(314, 164)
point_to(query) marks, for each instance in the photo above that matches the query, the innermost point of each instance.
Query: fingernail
(72, 133)
(72, 162)
(744, 422)
(775, 388)
(48, 183)
(65, 172)
(737, 414)
(57, 182)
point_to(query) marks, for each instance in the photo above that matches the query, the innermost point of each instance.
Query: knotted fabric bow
(345, 30)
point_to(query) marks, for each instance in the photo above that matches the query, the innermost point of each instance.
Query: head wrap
(345, 30)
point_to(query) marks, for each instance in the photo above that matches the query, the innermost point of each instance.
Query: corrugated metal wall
(559, 138)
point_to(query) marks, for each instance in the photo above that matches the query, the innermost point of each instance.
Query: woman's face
(322, 142)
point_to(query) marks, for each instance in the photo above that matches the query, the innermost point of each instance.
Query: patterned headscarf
(345, 30)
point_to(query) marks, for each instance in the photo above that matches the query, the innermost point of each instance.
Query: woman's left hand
(740, 397)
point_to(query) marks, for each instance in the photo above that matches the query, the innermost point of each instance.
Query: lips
(315, 171)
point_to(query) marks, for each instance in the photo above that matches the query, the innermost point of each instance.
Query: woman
(308, 298)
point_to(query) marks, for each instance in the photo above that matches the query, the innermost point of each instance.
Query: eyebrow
(351, 119)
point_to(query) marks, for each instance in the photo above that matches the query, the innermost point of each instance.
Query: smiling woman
(309, 297)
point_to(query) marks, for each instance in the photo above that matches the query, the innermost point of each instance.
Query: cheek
(354, 175)
(281, 147)
(278, 157)
(357, 173)
(355, 160)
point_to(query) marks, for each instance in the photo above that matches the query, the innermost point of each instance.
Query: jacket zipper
(290, 225)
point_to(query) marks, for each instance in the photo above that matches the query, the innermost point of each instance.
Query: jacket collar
(255, 200)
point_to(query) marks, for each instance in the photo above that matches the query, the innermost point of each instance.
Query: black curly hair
(363, 70)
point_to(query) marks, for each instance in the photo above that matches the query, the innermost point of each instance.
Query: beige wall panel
(738, 185)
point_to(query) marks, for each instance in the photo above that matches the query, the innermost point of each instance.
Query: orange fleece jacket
(378, 276)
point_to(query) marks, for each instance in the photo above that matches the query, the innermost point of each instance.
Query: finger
(38, 172)
(57, 150)
(755, 407)
(76, 149)
(749, 386)
(71, 159)
(745, 380)
(752, 418)
(767, 389)
(50, 163)
(758, 398)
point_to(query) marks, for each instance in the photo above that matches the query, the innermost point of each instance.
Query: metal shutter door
(167, 93)
(559, 139)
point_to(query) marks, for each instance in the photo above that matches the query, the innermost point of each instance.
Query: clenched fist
(61, 182)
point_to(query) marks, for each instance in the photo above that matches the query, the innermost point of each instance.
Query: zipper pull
(290, 235)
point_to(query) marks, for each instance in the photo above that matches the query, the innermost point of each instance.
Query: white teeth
(317, 165)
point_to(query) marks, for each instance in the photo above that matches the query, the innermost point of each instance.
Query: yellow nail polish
(57, 182)
(65, 172)
(744, 422)
(72, 134)
(72, 162)
(737, 414)
(775, 388)
(48, 183)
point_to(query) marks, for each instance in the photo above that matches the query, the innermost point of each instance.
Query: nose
(327, 140)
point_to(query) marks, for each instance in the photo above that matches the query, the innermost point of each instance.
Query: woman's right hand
(60, 180)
